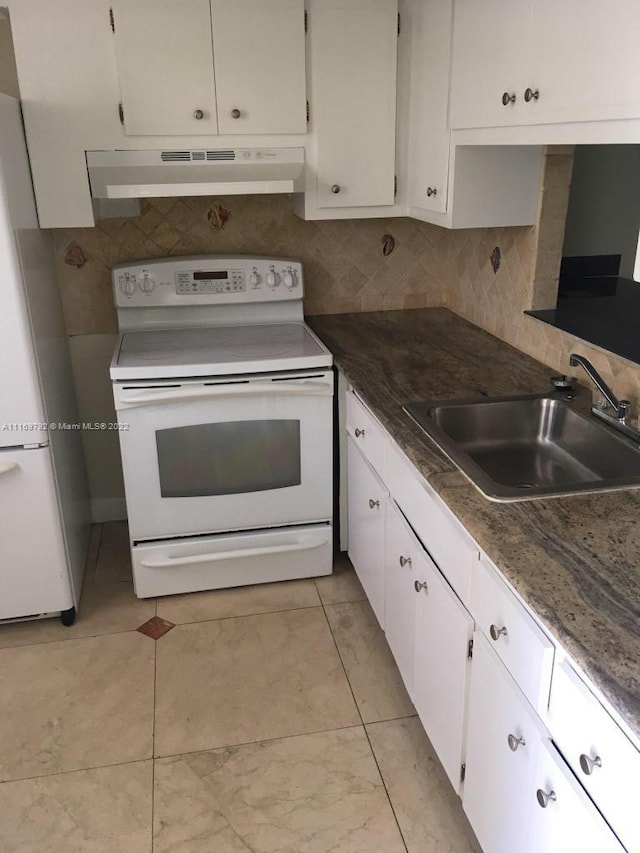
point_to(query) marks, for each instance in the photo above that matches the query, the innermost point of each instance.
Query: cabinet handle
(544, 797)
(531, 95)
(420, 585)
(496, 632)
(359, 432)
(508, 98)
(374, 504)
(587, 763)
(199, 114)
(514, 742)
(405, 561)
(335, 188)
(431, 191)
(235, 113)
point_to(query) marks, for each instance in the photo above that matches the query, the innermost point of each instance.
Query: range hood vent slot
(175, 156)
(152, 174)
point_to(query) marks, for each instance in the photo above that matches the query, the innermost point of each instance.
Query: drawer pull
(496, 632)
(420, 585)
(359, 432)
(531, 95)
(544, 797)
(405, 561)
(514, 742)
(374, 504)
(587, 763)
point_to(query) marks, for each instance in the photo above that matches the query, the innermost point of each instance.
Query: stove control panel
(207, 280)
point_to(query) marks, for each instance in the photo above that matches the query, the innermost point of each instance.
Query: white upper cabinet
(165, 66)
(353, 107)
(583, 61)
(430, 24)
(259, 58)
(525, 62)
(490, 44)
(211, 66)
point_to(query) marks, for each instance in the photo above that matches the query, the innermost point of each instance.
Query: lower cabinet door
(366, 511)
(403, 556)
(564, 818)
(504, 737)
(443, 630)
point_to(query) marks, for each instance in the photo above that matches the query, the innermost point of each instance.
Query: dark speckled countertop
(574, 560)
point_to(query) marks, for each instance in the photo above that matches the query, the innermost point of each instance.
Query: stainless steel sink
(518, 448)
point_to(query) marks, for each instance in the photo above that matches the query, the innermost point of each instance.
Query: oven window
(229, 458)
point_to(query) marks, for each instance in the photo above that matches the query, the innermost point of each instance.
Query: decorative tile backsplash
(344, 261)
(490, 276)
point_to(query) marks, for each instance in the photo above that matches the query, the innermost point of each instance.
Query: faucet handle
(562, 383)
(624, 409)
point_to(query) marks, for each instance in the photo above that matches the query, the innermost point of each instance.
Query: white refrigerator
(44, 516)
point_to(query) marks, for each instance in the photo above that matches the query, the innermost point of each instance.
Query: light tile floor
(270, 719)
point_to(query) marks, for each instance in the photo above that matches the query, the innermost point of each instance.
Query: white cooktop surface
(217, 351)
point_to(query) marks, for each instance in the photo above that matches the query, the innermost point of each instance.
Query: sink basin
(518, 448)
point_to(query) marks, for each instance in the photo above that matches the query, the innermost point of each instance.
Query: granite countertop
(574, 560)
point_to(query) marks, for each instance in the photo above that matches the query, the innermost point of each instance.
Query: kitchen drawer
(584, 731)
(522, 646)
(448, 543)
(369, 435)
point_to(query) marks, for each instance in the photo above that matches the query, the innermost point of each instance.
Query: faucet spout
(621, 407)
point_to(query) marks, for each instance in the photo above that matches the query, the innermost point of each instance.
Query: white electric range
(225, 401)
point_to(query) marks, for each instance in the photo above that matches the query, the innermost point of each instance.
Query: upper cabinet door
(353, 111)
(429, 101)
(259, 50)
(490, 46)
(583, 61)
(165, 64)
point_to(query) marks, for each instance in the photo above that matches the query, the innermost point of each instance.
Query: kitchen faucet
(622, 408)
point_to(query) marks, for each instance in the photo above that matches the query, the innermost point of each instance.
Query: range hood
(240, 171)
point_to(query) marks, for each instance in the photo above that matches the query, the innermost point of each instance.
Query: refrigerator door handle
(5, 467)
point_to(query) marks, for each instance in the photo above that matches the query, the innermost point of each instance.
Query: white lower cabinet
(503, 734)
(443, 630)
(563, 817)
(519, 794)
(428, 631)
(366, 507)
(403, 557)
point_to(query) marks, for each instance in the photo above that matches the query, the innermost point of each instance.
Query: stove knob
(146, 283)
(127, 285)
(254, 279)
(288, 279)
(273, 279)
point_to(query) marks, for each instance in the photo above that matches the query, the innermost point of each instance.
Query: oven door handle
(296, 388)
(173, 562)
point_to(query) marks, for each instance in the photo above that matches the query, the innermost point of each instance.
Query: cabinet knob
(587, 763)
(374, 504)
(420, 585)
(514, 742)
(335, 188)
(545, 797)
(359, 432)
(235, 113)
(199, 114)
(431, 191)
(509, 98)
(405, 561)
(496, 632)
(531, 95)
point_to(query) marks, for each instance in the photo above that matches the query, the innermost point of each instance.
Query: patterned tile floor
(269, 719)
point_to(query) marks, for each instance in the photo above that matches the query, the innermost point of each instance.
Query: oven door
(224, 454)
